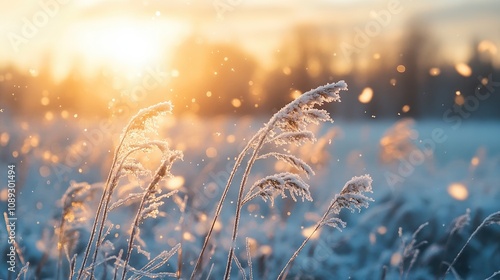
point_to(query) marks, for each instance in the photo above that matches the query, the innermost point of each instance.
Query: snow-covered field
(424, 173)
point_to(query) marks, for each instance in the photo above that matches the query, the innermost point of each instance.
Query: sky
(130, 35)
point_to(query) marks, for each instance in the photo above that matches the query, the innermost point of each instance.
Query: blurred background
(421, 117)
(62, 58)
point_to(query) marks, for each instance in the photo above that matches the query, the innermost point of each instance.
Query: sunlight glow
(175, 182)
(474, 161)
(49, 116)
(211, 152)
(396, 259)
(459, 100)
(44, 171)
(434, 71)
(46, 155)
(127, 44)
(381, 230)
(230, 138)
(188, 236)
(45, 101)
(64, 114)
(287, 70)
(373, 238)
(295, 94)
(458, 191)
(236, 103)
(252, 246)
(487, 46)
(4, 194)
(4, 139)
(463, 69)
(265, 250)
(308, 231)
(366, 95)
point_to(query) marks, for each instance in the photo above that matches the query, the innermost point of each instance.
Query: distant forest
(210, 78)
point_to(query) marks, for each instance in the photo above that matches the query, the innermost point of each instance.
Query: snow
(434, 155)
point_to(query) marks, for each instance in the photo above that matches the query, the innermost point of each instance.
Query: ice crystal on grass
(136, 137)
(410, 250)
(493, 275)
(287, 126)
(299, 113)
(350, 197)
(460, 222)
(155, 263)
(249, 257)
(75, 200)
(23, 271)
(148, 206)
(296, 137)
(269, 187)
(292, 160)
(146, 119)
(75, 212)
(490, 220)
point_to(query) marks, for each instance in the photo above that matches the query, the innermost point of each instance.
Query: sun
(121, 44)
(127, 45)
